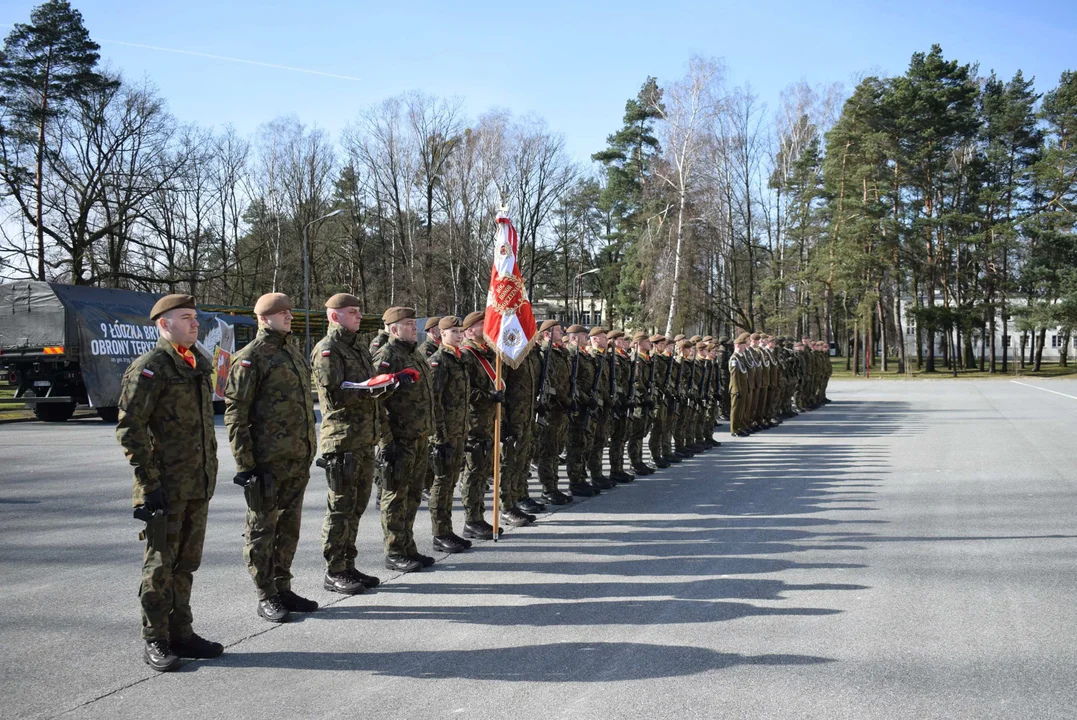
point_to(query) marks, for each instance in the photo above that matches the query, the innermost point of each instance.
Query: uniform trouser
(737, 405)
(658, 432)
(479, 463)
(167, 573)
(668, 425)
(343, 509)
(428, 479)
(723, 402)
(549, 439)
(578, 447)
(441, 492)
(402, 493)
(637, 429)
(619, 427)
(601, 429)
(704, 423)
(680, 427)
(273, 534)
(515, 457)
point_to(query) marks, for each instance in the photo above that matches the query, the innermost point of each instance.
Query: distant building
(587, 309)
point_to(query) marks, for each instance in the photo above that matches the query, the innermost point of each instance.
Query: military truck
(65, 345)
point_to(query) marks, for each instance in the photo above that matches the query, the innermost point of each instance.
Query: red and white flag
(509, 325)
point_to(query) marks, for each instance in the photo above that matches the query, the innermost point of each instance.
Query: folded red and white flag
(509, 325)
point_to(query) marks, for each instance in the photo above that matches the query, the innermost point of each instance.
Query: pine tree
(43, 67)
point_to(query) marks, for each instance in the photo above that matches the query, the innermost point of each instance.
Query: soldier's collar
(407, 345)
(275, 336)
(341, 333)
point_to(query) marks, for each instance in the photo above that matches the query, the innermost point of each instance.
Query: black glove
(155, 500)
(405, 378)
(245, 478)
(389, 453)
(444, 451)
(497, 396)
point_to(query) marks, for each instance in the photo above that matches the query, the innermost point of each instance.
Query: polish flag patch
(326, 353)
(384, 364)
(146, 372)
(245, 363)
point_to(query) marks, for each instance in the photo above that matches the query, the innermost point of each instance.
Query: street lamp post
(306, 272)
(577, 284)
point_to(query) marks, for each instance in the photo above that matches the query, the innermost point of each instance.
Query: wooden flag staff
(497, 452)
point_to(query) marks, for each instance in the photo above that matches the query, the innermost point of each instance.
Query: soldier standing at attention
(552, 407)
(482, 409)
(166, 431)
(725, 351)
(600, 391)
(619, 411)
(433, 337)
(658, 441)
(405, 439)
(640, 406)
(348, 435)
(270, 419)
(452, 386)
(584, 404)
(738, 387)
(517, 418)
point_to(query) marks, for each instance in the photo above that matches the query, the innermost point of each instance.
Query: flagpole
(497, 451)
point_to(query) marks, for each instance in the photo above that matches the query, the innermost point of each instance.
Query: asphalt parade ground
(908, 551)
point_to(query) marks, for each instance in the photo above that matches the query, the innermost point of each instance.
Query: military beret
(614, 334)
(695, 338)
(708, 338)
(449, 321)
(396, 314)
(472, 318)
(171, 302)
(548, 325)
(576, 329)
(639, 336)
(743, 339)
(596, 330)
(431, 323)
(658, 338)
(272, 303)
(342, 300)
(702, 345)
(678, 337)
(723, 340)
(755, 336)
(685, 344)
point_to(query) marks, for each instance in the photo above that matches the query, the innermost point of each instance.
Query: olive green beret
(639, 336)
(677, 338)
(614, 334)
(658, 338)
(548, 325)
(272, 303)
(743, 339)
(341, 301)
(596, 331)
(695, 338)
(171, 302)
(396, 314)
(723, 340)
(449, 321)
(431, 323)
(472, 318)
(576, 329)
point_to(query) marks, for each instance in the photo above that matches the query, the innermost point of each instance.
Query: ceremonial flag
(509, 325)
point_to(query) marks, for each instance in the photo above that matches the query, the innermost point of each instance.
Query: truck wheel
(54, 412)
(111, 415)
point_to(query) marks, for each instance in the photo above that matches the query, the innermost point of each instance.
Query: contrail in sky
(232, 59)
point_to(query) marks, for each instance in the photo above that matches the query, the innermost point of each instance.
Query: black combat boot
(402, 563)
(196, 647)
(530, 505)
(424, 560)
(583, 489)
(369, 581)
(344, 583)
(556, 497)
(158, 655)
(449, 544)
(480, 530)
(661, 463)
(273, 610)
(297, 603)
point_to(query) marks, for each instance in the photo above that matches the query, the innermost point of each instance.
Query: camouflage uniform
(619, 412)
(550, 438)
(684, 397)
(452, 386)
(579, 449)
(517, 419)
(270, 419)
(380, 339)
(348, 434)
(480, 430)
(724, 354)
(166, 431)
(429, 347)
(405, 443)
(739, 381)
(641, 408)
(600, 427)
(659, 443)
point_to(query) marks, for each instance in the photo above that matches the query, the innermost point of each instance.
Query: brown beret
(658, 338)
(701, 345)
(723, 340)
(695, 338)
(171, 302)
(449, 321)
(596, 330)
(548, 325)
(742, 339)
(342, 300)
(614, 334)
(708, 338)
(576, 329)
(272, 303)
(472, 318)
(431, 323)
(639, 336)
(685, 344)
(755, 336)
(396, 314)
(677, 338)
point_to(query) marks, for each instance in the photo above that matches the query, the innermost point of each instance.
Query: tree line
(938, 204)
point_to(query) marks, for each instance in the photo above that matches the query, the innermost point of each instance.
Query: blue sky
(573, 63)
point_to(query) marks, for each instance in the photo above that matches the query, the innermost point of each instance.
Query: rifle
(677, 388)
(632, 402)
(703, 399)
(592, 411)
(544, 390)
(611, 359)
(665, 383)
